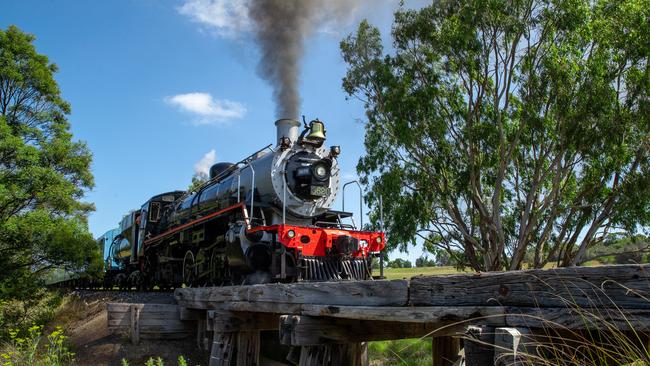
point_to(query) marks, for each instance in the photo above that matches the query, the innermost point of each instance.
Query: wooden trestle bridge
(491, 315)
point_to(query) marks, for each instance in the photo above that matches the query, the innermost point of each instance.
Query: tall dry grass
(589, 328)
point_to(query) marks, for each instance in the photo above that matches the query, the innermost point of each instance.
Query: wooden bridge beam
(623, 286)
(298, 330)
(230, 321)
(357, 293)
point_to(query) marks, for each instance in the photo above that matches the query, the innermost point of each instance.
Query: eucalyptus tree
(504, 129)
(44, 174)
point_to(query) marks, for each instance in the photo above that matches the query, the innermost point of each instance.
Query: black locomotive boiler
(267, 218)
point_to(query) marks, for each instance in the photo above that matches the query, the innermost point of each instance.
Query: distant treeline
(613, 250)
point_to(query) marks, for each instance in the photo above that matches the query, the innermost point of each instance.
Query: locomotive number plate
(319, 191)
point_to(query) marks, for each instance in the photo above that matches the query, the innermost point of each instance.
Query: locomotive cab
(153, 213)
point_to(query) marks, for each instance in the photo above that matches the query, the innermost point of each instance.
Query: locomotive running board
(198, 221)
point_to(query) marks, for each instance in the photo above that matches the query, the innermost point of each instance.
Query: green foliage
(399, 263)
(154, 362)
(625, 250)
(43, 173)
(158, 361)
(31, 348)
(425, 262)
(19, 314)
(403, 352)
(501, 128)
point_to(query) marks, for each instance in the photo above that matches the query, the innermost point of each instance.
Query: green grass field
(400, 273)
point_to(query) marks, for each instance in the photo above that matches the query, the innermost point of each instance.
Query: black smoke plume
(281, 27)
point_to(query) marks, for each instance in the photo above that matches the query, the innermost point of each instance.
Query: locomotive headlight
(363, 243)
(378, 240)
(291, 234)
(320, 171)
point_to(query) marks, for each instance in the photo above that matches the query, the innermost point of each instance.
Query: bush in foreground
(32, 348)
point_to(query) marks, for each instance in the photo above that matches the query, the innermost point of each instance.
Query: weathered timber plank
(222, 349)
(424, 314)
(155, 326)
(114, 307)
(353, 354)
(359, 354)
(513, 347)
(369, 293)
(227, 321)
(605, 286)
(125, 322)
(147, 319)
(248, 348)
(580, 318)
(168, 328)
(165, 316)
(165, 336)
(135, 323)
(191, 314)
(478, 345)
(444, 351)
(298, 330)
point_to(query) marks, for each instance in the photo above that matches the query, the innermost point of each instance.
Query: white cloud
(208, 109)
(226, 17)
(203, 165)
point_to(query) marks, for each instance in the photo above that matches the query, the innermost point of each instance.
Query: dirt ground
(84, 319)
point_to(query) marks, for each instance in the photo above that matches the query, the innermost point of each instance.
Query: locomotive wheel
(219, 273)
(189, 268)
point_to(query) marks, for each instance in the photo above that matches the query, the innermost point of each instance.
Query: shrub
(31, 348)
(20, 314)
(158, 362)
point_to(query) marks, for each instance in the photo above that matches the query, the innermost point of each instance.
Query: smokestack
(287, 128)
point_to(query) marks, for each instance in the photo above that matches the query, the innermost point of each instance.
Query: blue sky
(160, 89)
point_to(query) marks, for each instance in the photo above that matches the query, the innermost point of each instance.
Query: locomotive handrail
(284, 200)
(252, 193)
(238, 187)
(227, 172)
(339, 224)
(381, 228)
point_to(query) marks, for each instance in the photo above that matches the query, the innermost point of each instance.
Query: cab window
(154, 212)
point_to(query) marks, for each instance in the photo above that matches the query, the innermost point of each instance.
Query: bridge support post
(510, 346)
(479, 345)
(222, 349)
(237, 336)
(444, 350)
(353, 354)
(135, 323)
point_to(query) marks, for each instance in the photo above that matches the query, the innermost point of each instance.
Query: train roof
(176, 195)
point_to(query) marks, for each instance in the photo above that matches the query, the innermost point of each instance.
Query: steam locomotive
(267, 218)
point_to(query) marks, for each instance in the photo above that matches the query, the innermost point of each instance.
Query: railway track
(69, 285)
